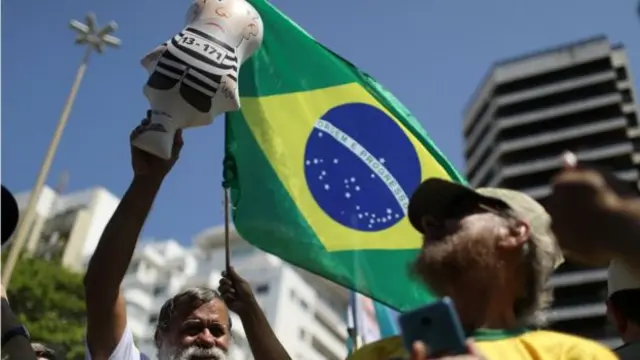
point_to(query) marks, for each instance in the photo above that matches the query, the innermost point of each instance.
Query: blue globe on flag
(361, 167)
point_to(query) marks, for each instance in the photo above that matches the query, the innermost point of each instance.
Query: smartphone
(437, 325)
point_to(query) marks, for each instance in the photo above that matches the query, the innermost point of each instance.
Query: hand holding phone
(437, 326)
(421, 352)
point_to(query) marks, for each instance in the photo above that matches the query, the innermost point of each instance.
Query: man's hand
(419, 351)
(239, 298)
(148, 165)
(590, 218)
(236, 292)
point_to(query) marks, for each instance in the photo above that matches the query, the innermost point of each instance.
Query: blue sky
(443, 48)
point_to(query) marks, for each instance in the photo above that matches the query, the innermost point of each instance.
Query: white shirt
(125, 350)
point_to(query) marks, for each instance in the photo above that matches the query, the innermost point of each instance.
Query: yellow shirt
(505, 345)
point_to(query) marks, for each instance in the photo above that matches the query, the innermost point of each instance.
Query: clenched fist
(595, 216)
(236, 292)
(148, 165)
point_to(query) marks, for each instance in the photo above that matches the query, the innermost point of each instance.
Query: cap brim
(433, 197)
(10, 214)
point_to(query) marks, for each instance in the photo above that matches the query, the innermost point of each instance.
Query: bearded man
(194, 324)
(492, 251)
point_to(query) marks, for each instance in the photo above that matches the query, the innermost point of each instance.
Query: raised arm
(239, 297)
(106, 311)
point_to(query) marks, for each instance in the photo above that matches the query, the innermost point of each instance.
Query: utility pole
(93, 38)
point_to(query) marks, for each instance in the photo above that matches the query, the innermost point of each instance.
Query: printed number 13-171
(212, 50)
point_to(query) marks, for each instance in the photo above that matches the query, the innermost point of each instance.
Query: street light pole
(95, 39)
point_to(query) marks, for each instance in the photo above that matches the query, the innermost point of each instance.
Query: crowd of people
(490, 250)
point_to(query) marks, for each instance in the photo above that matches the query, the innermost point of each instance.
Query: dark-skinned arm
(262, 340)
(106, 308)
(240, 299)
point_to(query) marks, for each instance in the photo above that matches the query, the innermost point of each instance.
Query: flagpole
(353, 328)
(96, 39)
(227, 246)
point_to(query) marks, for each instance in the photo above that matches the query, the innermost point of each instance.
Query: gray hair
(43, 351)
(189, 299)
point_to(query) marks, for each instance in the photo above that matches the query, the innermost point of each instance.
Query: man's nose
(206, 339)
(222, 12)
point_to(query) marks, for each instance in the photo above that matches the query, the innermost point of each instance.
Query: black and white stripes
(197, 61)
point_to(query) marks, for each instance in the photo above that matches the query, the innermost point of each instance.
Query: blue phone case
(437, 325)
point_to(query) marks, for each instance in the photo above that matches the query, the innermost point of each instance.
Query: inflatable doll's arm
(149, 61)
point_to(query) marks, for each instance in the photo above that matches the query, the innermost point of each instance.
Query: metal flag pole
(352, 326)
(227, 220)
(353, 329)
(95, 39)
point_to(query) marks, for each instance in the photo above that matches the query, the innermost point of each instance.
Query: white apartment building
(307, 313)
(67, 227)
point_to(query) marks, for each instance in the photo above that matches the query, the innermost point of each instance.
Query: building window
(262, 289)
(621, 73)
(153, 319)
(322, 349)
(302, 334)
(296, 298)
(626, 96)
(159, 290)
(330, 328)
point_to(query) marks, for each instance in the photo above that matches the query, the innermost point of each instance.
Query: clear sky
(430, 53)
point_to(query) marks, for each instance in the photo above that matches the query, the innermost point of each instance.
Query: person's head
(194, 324)
(623, 304)
(483, 248)
(10, 214)
(43, 352)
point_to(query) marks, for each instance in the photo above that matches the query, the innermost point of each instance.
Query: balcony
(559, 111)
(553, 163)
(578, 278)
(577, 312)
(536, 94)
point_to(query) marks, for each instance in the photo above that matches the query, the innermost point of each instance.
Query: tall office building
(530, 109)
(306, 312)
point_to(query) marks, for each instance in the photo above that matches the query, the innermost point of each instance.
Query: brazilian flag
(321, 161)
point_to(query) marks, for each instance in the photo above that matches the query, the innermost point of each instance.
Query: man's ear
(518, 234)
(616, 318)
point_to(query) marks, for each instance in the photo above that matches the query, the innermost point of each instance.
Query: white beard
(167, 352)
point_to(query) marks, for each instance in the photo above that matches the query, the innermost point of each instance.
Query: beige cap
(434, 196)
(622, 277)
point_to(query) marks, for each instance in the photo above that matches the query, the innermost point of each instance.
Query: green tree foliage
(50, 301)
